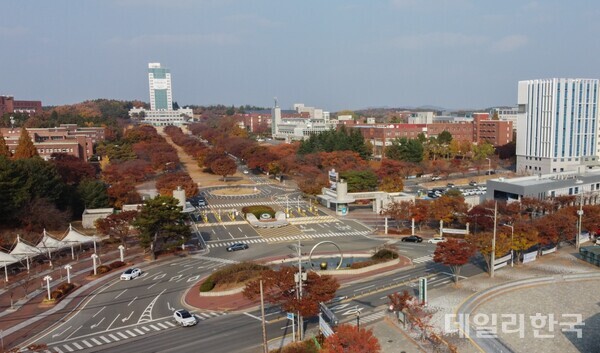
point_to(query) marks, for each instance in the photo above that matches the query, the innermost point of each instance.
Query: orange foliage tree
(351, 339)
(25, 148)
(168, 182)
(454, 253)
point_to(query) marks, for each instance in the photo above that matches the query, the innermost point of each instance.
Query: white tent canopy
(23, 250)
(74, 236)
(51, 243)
(7, 259)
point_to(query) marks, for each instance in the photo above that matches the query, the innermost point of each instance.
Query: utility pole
(298, 281)
(493, 254)
(262, 312)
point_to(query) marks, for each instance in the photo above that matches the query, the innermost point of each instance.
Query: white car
(436, 240)
(184, 318)
(246, 171)
(131, 273)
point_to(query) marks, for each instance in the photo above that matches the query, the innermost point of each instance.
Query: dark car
(473, 183)
(237, 246)
(413, 239)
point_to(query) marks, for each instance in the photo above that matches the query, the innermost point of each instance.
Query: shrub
(66, 287)
(385, 254)
(235, 273)
(116, 264)
(307, 346)
(207, 285)
(362, 264)
(102, 269)
(55, 294)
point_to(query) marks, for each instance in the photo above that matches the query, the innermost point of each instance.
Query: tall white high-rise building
(159, 80)
(161, 111)
(557, 125)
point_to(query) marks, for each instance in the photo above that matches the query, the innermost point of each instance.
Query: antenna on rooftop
(275, 98)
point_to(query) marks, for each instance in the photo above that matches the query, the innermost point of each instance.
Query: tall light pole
(48, 279)
(489, 166)
(580, 215)
(94, 258)
(68, 268)
(493, 255)
(512, 233)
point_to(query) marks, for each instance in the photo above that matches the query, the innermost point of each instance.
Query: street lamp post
(121, 249)
(68, 268)
(580, 215)
(48, 279)
(512, 233)
(493, 254)
(489, 166)
(94, 258)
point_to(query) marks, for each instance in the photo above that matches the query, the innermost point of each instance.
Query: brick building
(67, 138)
(9, 105)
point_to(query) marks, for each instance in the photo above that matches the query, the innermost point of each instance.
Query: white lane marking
(146, 329)
(72, 333)
(68, 348)
(58, 334)
(87, 343)
(98, 324)
(131, 302)
(193, 278)
(162, 325)
(122, 335)
(99, 311)
(104, 339)
(130, 333)
(58, 350)
(169, 323)
(154, 327)
(359, 289)
(254, 317)
(114, 337)
(113, 322)
(153, 285)
(118, 295)
(76, 345)
(128, 317)
(96, 341)
(399, 278)
(162, 275)
(174, 278)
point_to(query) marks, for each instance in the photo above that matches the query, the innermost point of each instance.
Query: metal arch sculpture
(326, 242)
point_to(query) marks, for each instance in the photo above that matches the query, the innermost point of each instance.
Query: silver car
(184, 318)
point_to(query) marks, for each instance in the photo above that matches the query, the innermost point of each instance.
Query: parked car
(246, 171)
(413, 239)
(450, 185)
(184, 318)
(436, 177)
(473, 183)
(237, 246)
(131, 273)
(436, 240)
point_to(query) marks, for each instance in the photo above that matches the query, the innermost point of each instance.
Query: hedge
(235, 273)
(62, 290)
(102, 269)
(258, 210)
(116, 264)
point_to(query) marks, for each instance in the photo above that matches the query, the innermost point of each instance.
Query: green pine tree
(4, 151)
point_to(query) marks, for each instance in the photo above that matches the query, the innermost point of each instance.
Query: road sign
(290, 316)
(326, 330)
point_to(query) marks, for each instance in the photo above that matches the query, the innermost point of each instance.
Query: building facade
(67, 138)
(308, 121)
(557, 125)
(9, 105)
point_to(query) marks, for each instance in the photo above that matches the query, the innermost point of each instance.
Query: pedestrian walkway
(423, 259)
(218, 244)
(122, 333)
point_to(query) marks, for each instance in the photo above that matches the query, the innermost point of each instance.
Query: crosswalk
(118, 335)
(218, 244)
(372, 317)
(423, 259)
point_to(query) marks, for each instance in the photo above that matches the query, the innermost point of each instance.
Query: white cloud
(12, 32)
(177, 39)
(438, 40)
(509, 43)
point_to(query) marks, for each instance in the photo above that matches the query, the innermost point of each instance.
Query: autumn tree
(524, 237)
(414, 310)
(72, 169)
(482, 241)
(25, 148)
(224, 166)
(453, 253)
(351, 339)
(280, 289)
(448, 208)
(168, 182)
(4, 151)
(399, 211)
(117, 225)
(392, 184)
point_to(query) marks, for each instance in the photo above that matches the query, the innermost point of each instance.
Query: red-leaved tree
(350, 339)
(454, 253)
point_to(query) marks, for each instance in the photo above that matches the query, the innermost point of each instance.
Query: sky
(331, 54)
